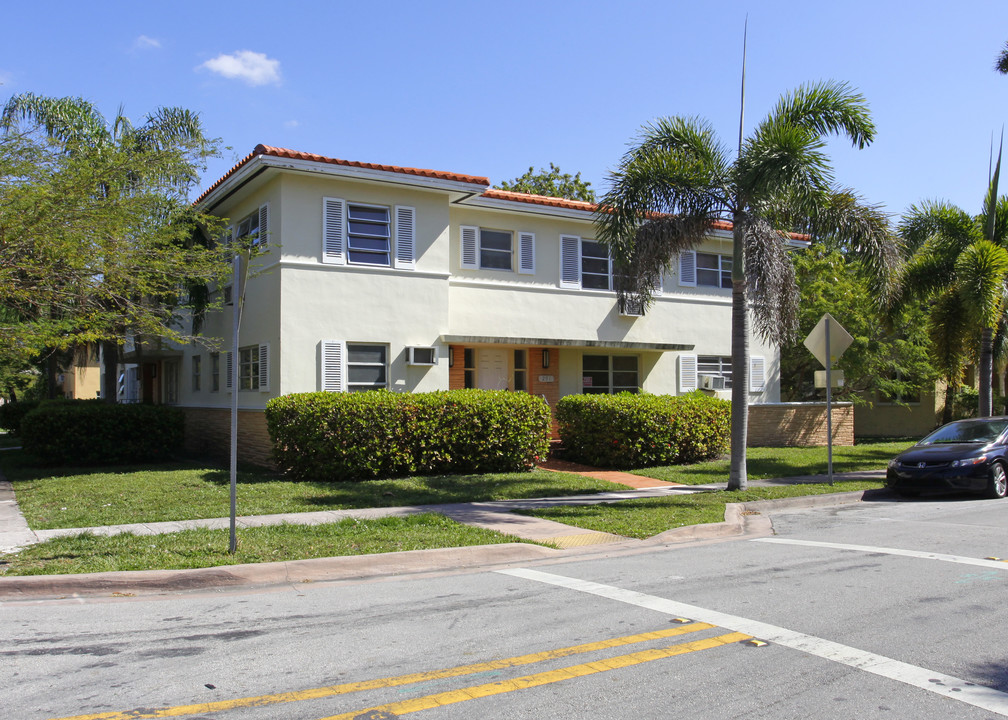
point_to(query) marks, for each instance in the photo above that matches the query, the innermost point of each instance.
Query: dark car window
(967, 431)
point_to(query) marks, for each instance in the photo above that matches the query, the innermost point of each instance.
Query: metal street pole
(233, 371)
(829, 409)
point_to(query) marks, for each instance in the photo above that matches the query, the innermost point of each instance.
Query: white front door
(491, 369)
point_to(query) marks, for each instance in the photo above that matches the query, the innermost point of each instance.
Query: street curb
(741, 520)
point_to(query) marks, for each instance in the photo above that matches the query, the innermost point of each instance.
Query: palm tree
(678, 179)
(959, 262)
(78, 126)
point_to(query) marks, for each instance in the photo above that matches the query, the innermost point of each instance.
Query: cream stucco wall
(295, 301)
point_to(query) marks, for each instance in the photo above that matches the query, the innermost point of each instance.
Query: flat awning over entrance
(554, 342)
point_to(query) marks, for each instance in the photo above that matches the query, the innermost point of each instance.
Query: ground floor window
(367, 367)
(214, 372)
(521, 370)
(610, 373)
(469, 363)
(715, 366)
(171, 382)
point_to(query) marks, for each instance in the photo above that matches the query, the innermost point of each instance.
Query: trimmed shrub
(92, 432)
(357, 436)
(630, 431)
(11, 414)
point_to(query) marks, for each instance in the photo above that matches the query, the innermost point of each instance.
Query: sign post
(827, 342)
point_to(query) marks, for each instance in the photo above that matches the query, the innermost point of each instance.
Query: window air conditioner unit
(421, 356)
(631, 308)
(711, 382)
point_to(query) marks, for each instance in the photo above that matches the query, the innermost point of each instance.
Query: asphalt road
(882, 609)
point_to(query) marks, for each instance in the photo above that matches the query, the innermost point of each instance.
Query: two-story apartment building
(376, 276)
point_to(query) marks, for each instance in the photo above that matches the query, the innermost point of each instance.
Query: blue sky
(492, 88)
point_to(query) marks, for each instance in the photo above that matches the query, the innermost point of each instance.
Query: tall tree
(551, 183)
(1001, 62)
(678, 179)
(959, 262)
(150, 166)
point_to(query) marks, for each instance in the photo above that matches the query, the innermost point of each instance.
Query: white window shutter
(570, 261)
(405, 234)
(467, 239)
(687, 268)
(333, 230)
(229, 367)
(333, 373)
(264, 368)
(687, 372)
(757, 373)
(526, 253)
(263, 238)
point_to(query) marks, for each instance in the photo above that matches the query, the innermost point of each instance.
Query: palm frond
(938, 219)
(1001, 63)
(980, 276)
(771, 285)
(782, 158)
(826, 108)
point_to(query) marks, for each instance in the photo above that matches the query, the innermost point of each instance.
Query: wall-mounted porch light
(545, 358)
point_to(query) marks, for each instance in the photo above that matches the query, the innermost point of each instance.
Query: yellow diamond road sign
(839, 340)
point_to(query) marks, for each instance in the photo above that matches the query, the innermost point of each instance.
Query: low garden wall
(799, 424)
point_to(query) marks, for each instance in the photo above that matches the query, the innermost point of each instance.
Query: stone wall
(799, 424)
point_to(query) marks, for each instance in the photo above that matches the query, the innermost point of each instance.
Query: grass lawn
(209, 548)
(651, 516)
(763, 463)
(86, 497)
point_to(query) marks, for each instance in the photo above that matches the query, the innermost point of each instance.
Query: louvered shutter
(229, 369)
(526, 253)
(570, 261)
(467, 239)
(757, 373)
(263, 238)
(333, 230)
(405, 234)
(687, 373)
(264, 368)
(687, 268)
(333, 375)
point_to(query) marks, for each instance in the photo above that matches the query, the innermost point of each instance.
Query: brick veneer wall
(208, 434)
(798, 424)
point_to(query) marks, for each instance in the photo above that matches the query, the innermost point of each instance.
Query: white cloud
(252, 67)
(144, 43)
(291, 123)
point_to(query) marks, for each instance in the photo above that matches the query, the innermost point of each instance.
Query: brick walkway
(614, 476)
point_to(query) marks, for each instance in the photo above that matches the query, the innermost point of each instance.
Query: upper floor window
(713, 270)
(487, 249)
(375, 235)
(368, 234)
(251, 230)
(596, 266)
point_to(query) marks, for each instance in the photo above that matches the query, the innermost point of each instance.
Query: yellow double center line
(454, 696)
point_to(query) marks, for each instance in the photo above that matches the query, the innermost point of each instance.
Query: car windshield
(967, 431)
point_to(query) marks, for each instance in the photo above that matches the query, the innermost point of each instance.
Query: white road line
(980, 562)
(944, 685)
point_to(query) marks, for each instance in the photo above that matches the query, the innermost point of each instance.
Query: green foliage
(551, 183)
(356, 436)
(889, 353)
(89, 432)
(12, 413)
(639, 430)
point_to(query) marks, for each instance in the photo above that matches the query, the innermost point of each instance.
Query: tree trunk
(110, 370)
(984, 372)
(737, 475)
(949, 398)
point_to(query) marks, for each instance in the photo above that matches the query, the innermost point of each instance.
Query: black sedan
(963, 456)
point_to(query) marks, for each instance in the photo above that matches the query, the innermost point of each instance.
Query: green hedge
(11, 414)
(92, 432)
(629, 431)
(357, 436)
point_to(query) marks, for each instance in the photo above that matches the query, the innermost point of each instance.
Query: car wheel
(997, 484)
